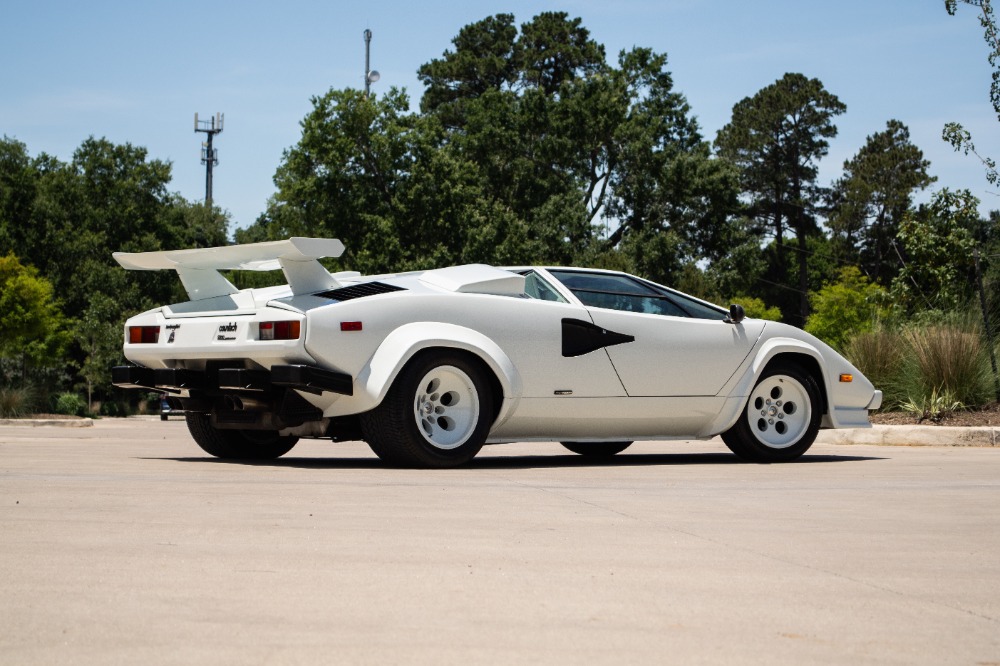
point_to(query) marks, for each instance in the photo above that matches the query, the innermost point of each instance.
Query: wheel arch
(775, 350)
(409, 341)
(496, 387)
(810, 365)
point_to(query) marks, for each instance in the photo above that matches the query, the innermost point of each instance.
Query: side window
(698, 309)
(536, 287)
(620, 292)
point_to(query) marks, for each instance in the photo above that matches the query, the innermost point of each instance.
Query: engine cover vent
(359, 291)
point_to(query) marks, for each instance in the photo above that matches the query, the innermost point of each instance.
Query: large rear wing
(199, 268)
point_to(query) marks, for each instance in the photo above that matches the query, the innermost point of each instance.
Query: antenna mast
(209, 155)
(371, 76)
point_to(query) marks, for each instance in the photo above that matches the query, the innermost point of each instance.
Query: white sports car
(429, 366)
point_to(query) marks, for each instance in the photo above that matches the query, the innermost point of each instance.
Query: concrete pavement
(880, 435)
(122, 543)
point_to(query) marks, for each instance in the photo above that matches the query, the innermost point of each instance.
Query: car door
(673, 353)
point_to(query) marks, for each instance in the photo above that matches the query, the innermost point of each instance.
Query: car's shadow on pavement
(526, 462)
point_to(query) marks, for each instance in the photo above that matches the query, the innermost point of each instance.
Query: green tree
(666, 188)
(535, 133)
(844, 308)
(483, 61)
(527, 141)
(32, 326)
(18, 183)
(99, 334)
(954, 133)
(109, 197)
(873, 196)
(554, 49)
(776, 139)
(66, 219)
(936, 242)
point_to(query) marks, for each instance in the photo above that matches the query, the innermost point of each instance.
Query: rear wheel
(436, 414)
(780, 419)
(237, 444)
(597, 449)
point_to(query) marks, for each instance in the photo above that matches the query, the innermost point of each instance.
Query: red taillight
(146, 335)
(279, 330)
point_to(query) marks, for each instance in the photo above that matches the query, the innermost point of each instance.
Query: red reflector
(286, 330)
(350, 325)
(143, 335)
(279, 330)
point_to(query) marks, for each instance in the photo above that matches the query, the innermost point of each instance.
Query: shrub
(925, 363)
(15, 402)
(114, 408)
(934, 408)
(948, 359)
(880, 356)
(70, 403)
(846, 307)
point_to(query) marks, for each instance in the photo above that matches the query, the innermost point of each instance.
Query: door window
(627, 294)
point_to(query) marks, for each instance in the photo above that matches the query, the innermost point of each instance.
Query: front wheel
(436, 414)
(237, 444)
(780, 419)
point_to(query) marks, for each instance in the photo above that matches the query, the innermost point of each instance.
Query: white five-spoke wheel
(437, 412)
(446, 407)
(780, 418)
(779, 411)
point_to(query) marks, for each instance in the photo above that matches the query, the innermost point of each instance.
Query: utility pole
(209, 155)
(371, 76)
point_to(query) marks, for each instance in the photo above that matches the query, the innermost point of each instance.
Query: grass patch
(16, 402)
(926, 367)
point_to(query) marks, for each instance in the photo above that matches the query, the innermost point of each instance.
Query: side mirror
(736, 314)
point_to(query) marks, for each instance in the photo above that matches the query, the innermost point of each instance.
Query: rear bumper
(175, 380)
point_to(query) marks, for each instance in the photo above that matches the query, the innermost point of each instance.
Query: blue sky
(137, 72)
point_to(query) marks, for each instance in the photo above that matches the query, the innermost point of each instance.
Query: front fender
(741, 384)
(396, 350)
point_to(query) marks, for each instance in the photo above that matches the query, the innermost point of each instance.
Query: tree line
(530, 145)
(63, 299)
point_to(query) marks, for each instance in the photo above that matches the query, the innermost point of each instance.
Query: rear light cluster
(146, 335)
(279, 330)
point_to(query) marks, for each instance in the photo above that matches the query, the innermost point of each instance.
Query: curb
(906, 435)
(58, 423)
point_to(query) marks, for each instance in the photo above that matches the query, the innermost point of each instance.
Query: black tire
(780, 419)
(237, 444)
(436, 414)
(163, 417)
(597, 449)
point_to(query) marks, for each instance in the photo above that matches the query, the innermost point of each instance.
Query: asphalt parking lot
(122, 543)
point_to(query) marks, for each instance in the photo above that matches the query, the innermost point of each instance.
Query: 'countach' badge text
(227, 328)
